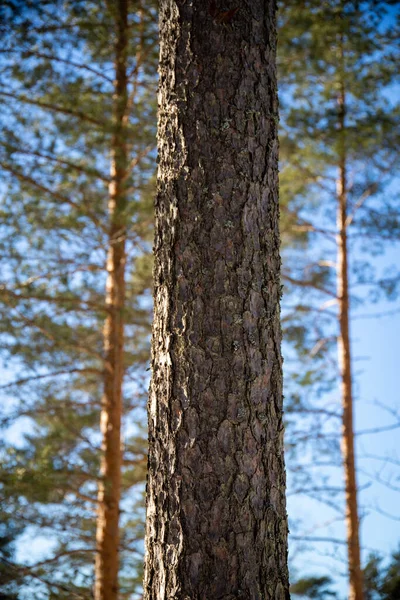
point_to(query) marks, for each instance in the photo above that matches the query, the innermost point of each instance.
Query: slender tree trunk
(216, 515)
(352, 521)
(107, 535)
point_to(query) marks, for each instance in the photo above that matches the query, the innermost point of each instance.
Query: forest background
(56, 95)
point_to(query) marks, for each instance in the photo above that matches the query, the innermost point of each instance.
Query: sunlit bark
(109, 493)
(352, 520)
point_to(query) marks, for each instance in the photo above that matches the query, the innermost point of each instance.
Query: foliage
(382, 582)
(328, 52)
(313, 587)
(9, 577)
(56, 94)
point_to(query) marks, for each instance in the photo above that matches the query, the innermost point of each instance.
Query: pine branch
(370, 191)
(386, 513)
(377, 315)
(378, 429)
(330, 540)
(83, 304)
(308, 284)
(23, 380)
(385, 459)
(376, 477)
(52, 57)
(29, 571)
(61, 555)
(52, 107)
(55, 159)
(318, 411)
(72, 63)
(52, 193)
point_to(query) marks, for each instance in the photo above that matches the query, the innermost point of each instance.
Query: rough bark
(352, 521)
(107, 534)
(216, 515)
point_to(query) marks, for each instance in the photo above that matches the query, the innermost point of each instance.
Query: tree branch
(65, 111)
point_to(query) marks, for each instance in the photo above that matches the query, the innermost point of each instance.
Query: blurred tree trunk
(352, 521)
(107, 535)
(216, 515)
(343, 123)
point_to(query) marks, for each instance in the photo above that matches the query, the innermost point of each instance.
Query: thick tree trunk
(216, 515)
(107, 535)
(352, 521)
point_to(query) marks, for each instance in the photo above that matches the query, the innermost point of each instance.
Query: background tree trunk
(107, 535)
(352, 521)
(216, 515)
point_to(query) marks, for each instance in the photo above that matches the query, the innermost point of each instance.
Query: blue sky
(376, 350)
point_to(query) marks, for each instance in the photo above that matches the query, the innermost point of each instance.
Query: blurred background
(340, 227)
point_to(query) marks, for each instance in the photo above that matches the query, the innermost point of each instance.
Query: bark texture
(352, 520)
(216, 515)
(107, 534)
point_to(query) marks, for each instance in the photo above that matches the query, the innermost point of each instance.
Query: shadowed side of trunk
(216, 515)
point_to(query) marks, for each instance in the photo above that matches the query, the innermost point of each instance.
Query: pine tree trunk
(352, 521)
(107, 535)
(216, 515)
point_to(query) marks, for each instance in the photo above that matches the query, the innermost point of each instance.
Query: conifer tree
(313, 587)
(382, 581)
(9, 578)
(338, 146)
(76, 91)
(216, 516)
